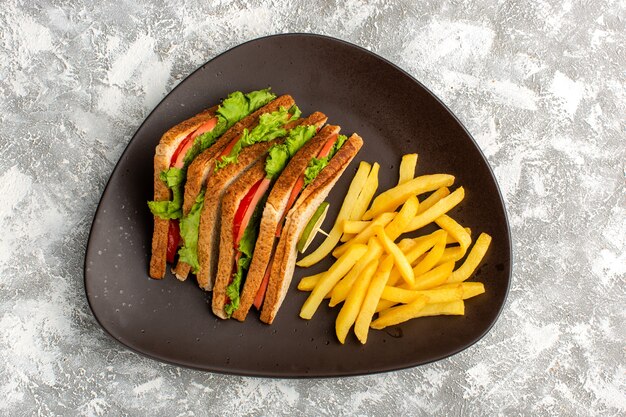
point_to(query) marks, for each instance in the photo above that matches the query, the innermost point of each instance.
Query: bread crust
(272, 215)
(226, 262)
(162, 156)
(284, 261)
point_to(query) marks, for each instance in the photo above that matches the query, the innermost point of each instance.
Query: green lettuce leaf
(276, 160)
(189, 228)
(173, 178)
(234, 108)
(246, 247)
(269, 128)
(317, 165)
(280, 154)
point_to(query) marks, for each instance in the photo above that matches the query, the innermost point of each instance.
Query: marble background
(540, 85)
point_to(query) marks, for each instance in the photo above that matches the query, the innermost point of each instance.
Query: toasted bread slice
(208, 233)
(284, 261)
(230, 204)
(273, 214)
(163, 154)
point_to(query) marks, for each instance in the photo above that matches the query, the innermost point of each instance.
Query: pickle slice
(312, 227)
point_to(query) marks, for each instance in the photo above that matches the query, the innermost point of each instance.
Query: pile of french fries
(399, 281)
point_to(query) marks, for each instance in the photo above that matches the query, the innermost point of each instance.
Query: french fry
(308, 283)
(406, 245)
(330, 278)
(453, 308)
(399, 259)
(436, 295)
(350, 309)
(439, 208)
(352, 227)
(403, 218)
(433, 278)
(364, 318)
(364, 199)
(407, 168)
(451, 254)
(455, 230)
(381, 220)
(367, 193)
(384, 305)
(340, 292)
(433, 256)
(400, 314)
(433, 198)
(468, 289)
(424, 244)
(472, 289)
(391, 199)
(473, 259)
(414, 252)
(357, 184)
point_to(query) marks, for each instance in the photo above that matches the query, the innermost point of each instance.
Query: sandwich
(313, 170)
(242, 207)
(208, 131)
(211, 174)
(325, 172)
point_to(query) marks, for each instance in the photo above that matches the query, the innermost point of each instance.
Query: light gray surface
(541, 88)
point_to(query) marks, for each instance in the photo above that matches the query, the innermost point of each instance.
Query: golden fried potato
(330, 278)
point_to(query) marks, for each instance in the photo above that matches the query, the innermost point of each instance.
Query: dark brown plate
(171, 321)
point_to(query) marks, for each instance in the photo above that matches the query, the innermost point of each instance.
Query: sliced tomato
(180, 152)
(241, 211)
(260, 295)
(178, 158)
(327, 146)
(173, 238)
(261, 188)
(229, 147)
(299, 185)
(205, 127)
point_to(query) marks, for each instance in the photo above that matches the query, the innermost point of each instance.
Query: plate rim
(291, 375)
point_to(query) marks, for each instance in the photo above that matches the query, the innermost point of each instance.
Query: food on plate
(235, 186)
(352, 306)
(357, 184)
(364, 198)
(391, 282)
(223, 168)
(312, 227)
(407, 168)
(319, 174)
(241, 209)
(375, 289)
(209, 131)
(393, 198)
(330, 278)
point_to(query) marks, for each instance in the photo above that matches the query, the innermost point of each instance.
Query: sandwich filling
(234, 108)
(271, 126)
(315, 166)
(248, 215)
